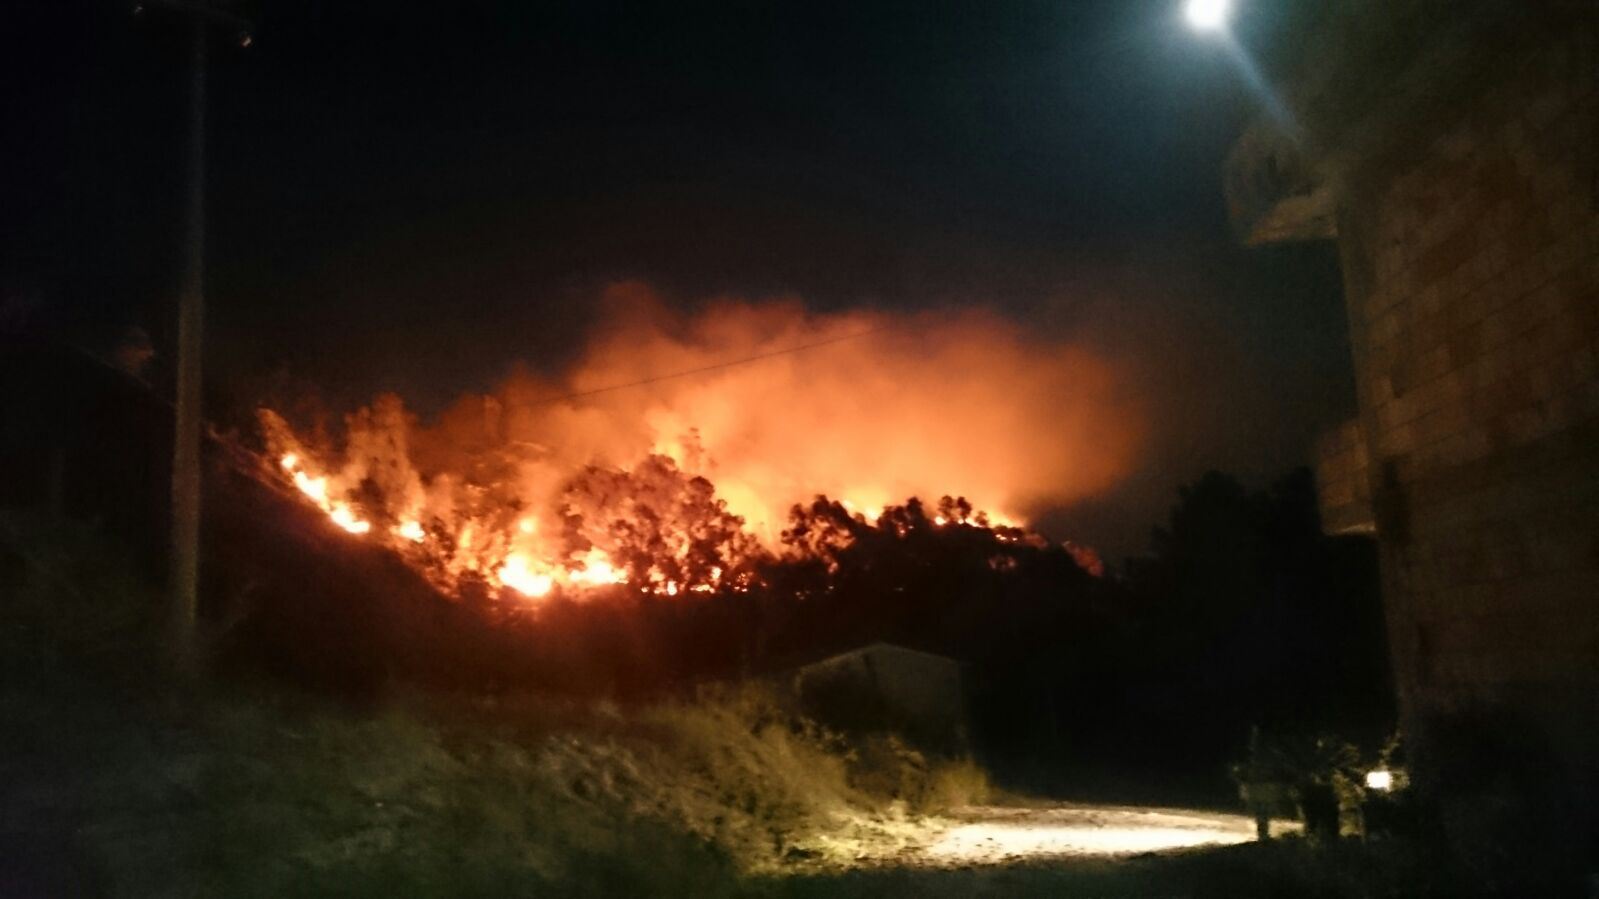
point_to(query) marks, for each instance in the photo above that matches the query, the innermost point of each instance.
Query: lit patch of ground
(1001, 834)
(982, 835)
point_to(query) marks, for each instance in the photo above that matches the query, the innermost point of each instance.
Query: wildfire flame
(316, 490)
(604, 479)
(517, 560)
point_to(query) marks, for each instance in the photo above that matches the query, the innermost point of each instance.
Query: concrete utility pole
(184, 572)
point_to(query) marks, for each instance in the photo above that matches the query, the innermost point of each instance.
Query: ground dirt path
(1005, 834)
(1055, 849)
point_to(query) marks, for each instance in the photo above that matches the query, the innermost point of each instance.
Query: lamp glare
(1208, 15)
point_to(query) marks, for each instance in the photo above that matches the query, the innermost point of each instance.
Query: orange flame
(604, 478)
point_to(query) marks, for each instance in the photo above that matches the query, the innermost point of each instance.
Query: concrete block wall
(1343, 481)
(1471, 260)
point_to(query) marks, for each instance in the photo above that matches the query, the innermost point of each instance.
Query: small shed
(882, 687)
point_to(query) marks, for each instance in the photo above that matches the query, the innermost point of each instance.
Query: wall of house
(884, 687)
(1471, 261)
(1343, 481)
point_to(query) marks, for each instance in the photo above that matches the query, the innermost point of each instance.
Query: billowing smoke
(774, 405)
(769, 402)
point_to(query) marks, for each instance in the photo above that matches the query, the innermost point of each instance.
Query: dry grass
(147, 786)
(117, 780)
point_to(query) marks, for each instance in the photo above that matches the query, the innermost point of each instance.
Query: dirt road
(985, 835)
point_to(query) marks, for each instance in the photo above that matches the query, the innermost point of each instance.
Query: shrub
(885, 768)
(251, 788)
(958, 783)
(71, 600)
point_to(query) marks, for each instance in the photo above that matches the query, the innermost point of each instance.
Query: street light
(1208, 15)
(1213, 18)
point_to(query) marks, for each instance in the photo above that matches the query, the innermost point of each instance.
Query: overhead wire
(655, 379)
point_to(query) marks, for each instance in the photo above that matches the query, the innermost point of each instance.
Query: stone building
(1451, 149)
(1343, 481)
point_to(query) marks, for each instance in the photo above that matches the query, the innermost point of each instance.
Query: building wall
(889, 688)
(1343, 481)
(1471, 258)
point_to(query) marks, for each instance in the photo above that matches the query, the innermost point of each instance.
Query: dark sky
(412, 197)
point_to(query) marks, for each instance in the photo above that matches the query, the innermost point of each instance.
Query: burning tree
(663, 529)
(512, 519)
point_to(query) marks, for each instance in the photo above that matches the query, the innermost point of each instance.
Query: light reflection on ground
(987, 834)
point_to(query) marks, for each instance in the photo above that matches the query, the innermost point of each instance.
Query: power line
(706, 368)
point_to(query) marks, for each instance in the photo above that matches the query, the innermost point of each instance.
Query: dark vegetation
(355, 714)
(120, 777)
(1243, 615)
(117, 778)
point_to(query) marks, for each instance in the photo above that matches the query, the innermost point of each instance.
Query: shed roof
(883, 646)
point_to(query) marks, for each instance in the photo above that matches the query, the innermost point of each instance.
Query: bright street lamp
(1208, 15)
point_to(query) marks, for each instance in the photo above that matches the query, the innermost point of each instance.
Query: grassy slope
(116, 778)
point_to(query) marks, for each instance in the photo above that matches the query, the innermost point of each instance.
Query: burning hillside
(670, 456)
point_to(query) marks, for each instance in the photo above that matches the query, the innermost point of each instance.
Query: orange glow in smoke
(538, 486)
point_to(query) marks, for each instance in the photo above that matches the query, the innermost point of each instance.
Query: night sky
(414, 197)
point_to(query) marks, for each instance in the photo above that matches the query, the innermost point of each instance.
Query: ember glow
(669, 456)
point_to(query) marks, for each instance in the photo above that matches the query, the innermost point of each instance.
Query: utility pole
(183, 575)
